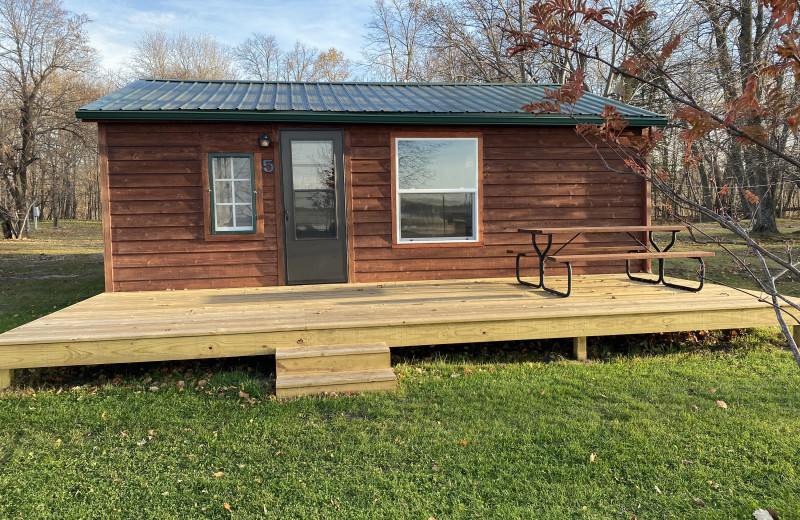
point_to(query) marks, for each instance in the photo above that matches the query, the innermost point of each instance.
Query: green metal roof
(417, 103)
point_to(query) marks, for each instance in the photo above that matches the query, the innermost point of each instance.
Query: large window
(437, 189)
(232, 193)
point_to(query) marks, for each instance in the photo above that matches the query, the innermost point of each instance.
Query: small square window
(437, 189)
(232, 188)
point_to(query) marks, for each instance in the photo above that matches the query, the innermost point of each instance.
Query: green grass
(52, 269)
(457, 440)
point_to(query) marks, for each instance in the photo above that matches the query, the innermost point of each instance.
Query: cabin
(222, 184)
(326, 223)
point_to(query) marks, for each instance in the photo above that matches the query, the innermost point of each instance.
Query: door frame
(286, 197)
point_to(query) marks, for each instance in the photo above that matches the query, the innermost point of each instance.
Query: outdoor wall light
(264, 141)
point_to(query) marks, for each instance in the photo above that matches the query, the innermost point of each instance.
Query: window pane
(312, 165)
(241, 167)
(244, 191)
(437, 163)
(315, 214)
(244, 216)
(232, 193)
(436, 215)
(222, 192)
(224, 216)
(221, 167)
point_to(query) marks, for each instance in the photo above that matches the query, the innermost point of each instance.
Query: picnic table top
(599, 229)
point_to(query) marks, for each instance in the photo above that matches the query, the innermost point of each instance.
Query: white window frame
(475, 194)
(238, 230)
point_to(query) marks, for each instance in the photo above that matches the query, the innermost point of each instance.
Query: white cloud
(319, 23)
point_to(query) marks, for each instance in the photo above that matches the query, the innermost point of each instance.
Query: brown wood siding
(158, 236)
(158, 208)
(531, 177)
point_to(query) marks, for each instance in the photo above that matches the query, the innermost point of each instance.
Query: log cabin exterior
(362, 182)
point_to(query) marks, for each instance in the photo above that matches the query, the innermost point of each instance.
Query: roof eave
(440, 118)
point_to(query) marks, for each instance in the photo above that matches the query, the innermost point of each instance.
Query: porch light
(264, 141)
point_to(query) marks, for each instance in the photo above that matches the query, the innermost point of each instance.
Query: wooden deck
(172, 325)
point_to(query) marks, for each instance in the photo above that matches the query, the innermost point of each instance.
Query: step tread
(334, 378)
(331, 350)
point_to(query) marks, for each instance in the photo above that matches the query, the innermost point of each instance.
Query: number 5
(267, 166)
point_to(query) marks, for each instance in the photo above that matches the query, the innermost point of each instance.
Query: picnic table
(634, 248)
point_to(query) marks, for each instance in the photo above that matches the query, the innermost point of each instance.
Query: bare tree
(157, 54)
(299, 63)
(260, 57)
(396, 49)
(40, 43)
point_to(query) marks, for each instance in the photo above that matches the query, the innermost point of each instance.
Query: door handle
(286, 215)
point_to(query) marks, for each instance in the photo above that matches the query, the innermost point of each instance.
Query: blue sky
(321, 23)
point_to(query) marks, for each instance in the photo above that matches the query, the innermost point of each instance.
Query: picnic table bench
(635, 249)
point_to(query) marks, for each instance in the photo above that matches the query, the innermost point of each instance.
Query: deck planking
(171, 325)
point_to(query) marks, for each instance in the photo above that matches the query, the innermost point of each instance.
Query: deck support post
(6, 377)
(579, 348)
(796, 333)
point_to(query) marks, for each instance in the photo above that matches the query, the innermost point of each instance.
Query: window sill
(471, 243)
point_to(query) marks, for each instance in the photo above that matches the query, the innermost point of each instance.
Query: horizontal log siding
(532, 177)
(157, 209)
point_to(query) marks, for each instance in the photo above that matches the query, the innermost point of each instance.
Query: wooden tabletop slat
(599, 229)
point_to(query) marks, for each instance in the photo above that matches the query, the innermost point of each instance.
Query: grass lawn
(53, 269)
(485, 431)
(629, 437)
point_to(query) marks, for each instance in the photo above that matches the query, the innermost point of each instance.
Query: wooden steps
(335, 368)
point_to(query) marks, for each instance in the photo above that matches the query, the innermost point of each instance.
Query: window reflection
(431, 215)
(314, 183)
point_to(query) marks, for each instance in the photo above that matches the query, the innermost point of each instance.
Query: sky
(320, 23)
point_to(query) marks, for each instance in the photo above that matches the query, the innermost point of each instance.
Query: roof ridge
(375, 83)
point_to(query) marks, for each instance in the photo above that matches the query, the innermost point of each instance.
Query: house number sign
(267, 166)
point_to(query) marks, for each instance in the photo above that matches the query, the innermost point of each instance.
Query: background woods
(47, 70)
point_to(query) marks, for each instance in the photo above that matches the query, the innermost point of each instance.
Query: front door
(313, 201)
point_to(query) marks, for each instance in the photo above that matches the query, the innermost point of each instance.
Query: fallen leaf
(762, 514)
(181, 385)
(699, 502)
(244, 395)
(463, 442)
(542, 392)
(104, 416)
(722, 404)
(141, 442)
(154, 389)
(694, 407)
(202, 382)
(219, 474)
(592, 457)
(227, 507)
(713, 390)
(436, 468)
(657, 490)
